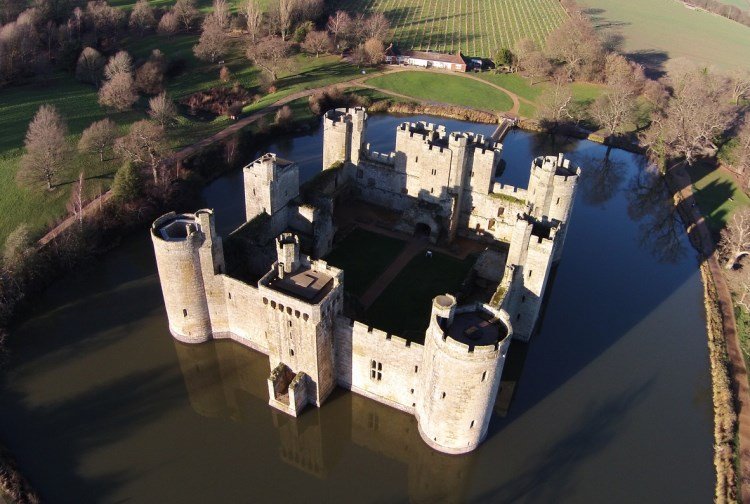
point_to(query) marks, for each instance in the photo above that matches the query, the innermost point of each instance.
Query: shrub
(128, 183)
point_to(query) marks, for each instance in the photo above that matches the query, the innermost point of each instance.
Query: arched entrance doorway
(422, 230)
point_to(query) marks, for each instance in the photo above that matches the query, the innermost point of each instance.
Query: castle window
(290, 323)
(558, 201)
(518, 317)
(288, 310)
(432, 190)
(291, 352)
(296, 313)
(265, 300)
(305, 317)
(281, 307)
(273, 304)
(442, 396)
(491, 225)
(530, 273)
(360, 173)
(472, 173)
(434, 172)
(500, 211)
(471, 426)
(412, 391)
(484, 376)
(416, 369)
(376, 370)
(230, 295)
(416, 159)
(184, 313)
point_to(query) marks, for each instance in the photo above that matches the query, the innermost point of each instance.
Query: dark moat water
(99, 404)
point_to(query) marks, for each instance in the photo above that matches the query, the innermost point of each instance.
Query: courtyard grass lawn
(663, 29)
(364, 255)
(404, 307)
(444, 88)
(713, 189)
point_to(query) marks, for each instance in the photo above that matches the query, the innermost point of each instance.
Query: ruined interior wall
(494, 213)
(357, 346)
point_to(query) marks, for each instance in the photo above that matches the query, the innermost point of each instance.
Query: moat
(613, 401)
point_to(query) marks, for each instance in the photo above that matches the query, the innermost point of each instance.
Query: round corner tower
(464, 354)
(177, 240)
(343, 135)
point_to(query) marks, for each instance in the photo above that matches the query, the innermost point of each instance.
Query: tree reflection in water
(650, 204)
(600, 178)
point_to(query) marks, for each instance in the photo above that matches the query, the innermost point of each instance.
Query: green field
(444, 88)
(363, 256)
(475, 27)
(420, 281)
(666, 28)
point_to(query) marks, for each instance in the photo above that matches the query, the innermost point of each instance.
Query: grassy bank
(717, 193)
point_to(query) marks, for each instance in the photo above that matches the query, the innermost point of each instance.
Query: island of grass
(444, 88)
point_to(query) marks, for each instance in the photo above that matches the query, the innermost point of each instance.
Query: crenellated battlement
(290, 305)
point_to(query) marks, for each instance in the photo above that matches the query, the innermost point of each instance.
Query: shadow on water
(99, 387)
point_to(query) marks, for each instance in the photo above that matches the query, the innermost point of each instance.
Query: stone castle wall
(444, 181)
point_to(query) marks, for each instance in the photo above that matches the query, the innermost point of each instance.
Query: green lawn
(713, 190)
(363, 256)
(515, 83)
(444, 88)
(404, 307)
(666, 28)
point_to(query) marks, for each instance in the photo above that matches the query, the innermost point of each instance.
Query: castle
(265, 293)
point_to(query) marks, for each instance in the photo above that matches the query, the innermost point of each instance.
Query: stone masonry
(443, 185)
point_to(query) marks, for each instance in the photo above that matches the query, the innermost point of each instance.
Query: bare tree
(118, 92)
(98, 138)
(741, 153)
(617, 106)
(284, 117)
(735, 238)
(739, 282)
(117, 64)
(142, 17)
(47, 149)
(221, 13)
(105, 19)
(149, 77)
(285, 9)
(554, 104)
(317, 42)
(168, 24)
(162, 110)
(338, 24)
(374, 51)
(144, 145)
(186, 13)
(90, 66)
(740, 84)
(271, 54)
(213, 42)
(253, 19)
(698, 112)
(537, 66)
(76, 201)
(576, 45)
(376, 27)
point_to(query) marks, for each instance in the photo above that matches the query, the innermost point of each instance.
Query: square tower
(270, 184)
